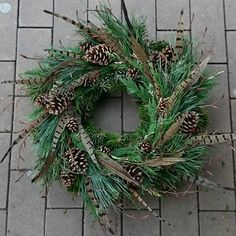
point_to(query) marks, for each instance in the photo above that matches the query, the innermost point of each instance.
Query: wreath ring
(170, 90)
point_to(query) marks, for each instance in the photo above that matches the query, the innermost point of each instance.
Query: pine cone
(162, 105)
(77, 161)
(135, 172)
(85, 46)
(105, 150)
(67, 178)
(58, 103)
(98, 54)
(72, 124)
(190, 123)
(133, 73)
(41, 100)
(91, 78)
(145, 146)
(163, 58)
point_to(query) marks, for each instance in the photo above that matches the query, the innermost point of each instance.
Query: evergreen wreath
(170, 90)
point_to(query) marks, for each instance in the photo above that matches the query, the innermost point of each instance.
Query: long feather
(60, 128)
(213, 139)
(26, 131)
(31, 81)
(51, 158)
(103, 218)
(178, 49)
(141, 201)
(87, 142)
(193, 77)
(69, 20)
(204, 182)
(139, 52)
(63, 52)
(98, 34)
(162, 161)
(174, 128)
(115, 167)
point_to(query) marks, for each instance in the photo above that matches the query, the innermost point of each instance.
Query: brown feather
(115, 167)
(49, 161)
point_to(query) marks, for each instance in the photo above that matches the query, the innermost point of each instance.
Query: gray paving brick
(108, 114)
(64, 31)
(152, 201)
(230, 9)
(8, 32)
(6, 73)
(217, 223)
(38, 39)
(4, 143)
(182, 212)
(60, 198)
(64, 222)
(220, 170)
(206, 14)
(31, 13)
(231, 37)
(219, 117)
(26, 207)
(233, 107)
(136, 8)
(168, 13)
(130, 114)
(139, 223)
(2, 222)
(23, 107)
(92, 227)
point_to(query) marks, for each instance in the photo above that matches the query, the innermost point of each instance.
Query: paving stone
(65, 31)
(39, 39)
(220, 170)
(219, 118)
(139, 223)
(180, 211)
(23, 107)
(4, 144)
(92, 227)
(230, 9)
(2, 222)
(152, 201)
(26, 207)
(31, 13)
(58, 197)
(231, 38)
(206, 14)
(136, 8)
(8, 32)
(108, 114)
(6, 73)
(233, 107)
(168, 13)
(217, 223)
(64, 222)
(130, 114)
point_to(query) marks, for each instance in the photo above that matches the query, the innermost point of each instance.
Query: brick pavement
(25, 211)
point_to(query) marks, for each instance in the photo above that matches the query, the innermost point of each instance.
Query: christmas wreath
(170, 89)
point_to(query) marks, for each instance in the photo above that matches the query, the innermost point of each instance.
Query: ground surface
(25, 211)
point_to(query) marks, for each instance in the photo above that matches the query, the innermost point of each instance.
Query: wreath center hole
(115, 114)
